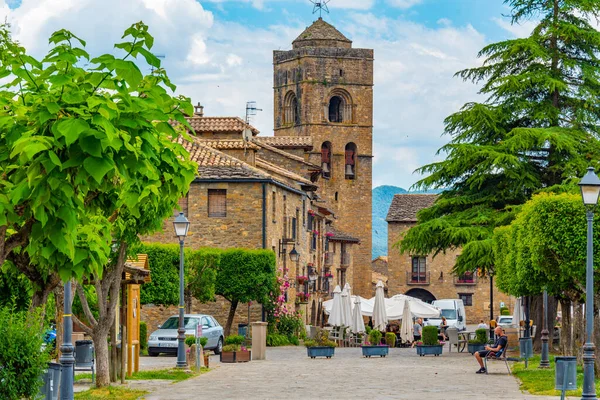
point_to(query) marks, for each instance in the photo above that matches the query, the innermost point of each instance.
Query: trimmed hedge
(430, 335)
(164, 270)
(143, 336)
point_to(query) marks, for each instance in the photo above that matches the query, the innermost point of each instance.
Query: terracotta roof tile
(227, 144)
(339, 236)
(404, 207)
(286, 142)
(219, 124)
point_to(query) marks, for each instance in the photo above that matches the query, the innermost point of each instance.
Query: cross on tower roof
(320, 5)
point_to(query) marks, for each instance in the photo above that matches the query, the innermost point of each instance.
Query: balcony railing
(417, 278)
(328, 259)
(345, 260)
(465, 280)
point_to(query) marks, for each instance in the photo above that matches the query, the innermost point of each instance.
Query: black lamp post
(181, 225)
(590, 190)
(67, 359)
(545, 362)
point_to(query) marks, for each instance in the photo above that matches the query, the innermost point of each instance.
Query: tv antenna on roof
(320, 6)
(250, 112)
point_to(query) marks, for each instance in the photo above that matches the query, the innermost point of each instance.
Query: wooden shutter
(217, 203)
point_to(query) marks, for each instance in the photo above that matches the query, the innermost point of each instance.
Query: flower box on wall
(381, 351)
(423, 350)
(236, 356)
(320, 351)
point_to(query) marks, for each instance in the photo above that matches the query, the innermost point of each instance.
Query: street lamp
(294, 255)
(181, 225)
(590, 190)
(67, 358)
(545, 362)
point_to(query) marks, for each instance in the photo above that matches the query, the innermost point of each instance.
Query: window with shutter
(217, 203)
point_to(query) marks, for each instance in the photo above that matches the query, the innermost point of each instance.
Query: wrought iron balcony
(465, 279)
(417, 278)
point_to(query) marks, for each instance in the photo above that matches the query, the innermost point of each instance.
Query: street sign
(199, 330)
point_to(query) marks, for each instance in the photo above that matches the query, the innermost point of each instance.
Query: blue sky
(219, 52)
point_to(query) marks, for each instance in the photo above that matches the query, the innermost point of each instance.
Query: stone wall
(442, 283)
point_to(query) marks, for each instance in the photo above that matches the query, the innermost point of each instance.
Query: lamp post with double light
(590, 190)
(181, 225)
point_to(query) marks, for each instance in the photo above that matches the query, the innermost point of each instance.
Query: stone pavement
(289, 374)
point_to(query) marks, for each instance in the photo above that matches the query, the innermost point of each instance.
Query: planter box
(435, 350)
(472, 347)
(236, 356)
(320, 351)
(381, 351)
(206, 360)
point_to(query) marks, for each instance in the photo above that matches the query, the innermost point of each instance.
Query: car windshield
(449, 314)
(173, 323)
(505, 320)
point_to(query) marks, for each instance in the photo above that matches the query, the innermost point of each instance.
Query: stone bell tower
(323, 88)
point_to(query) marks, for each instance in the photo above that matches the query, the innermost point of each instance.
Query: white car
(164, 340)
(505, 320)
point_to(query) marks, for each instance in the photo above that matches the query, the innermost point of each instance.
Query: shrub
(275, 340)
(480, 337)
(203, 341)
(190, 340)
(235, 339)
(290, 325)
(231, 347)
(21, 338)
(321, 340)
(430, 335)
(375, 337)
(505, 312)
(143, 336)
(390, 339)
(368, 329)
(294, 340)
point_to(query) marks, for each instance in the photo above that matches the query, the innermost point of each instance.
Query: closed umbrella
(380, 318)
(358, 324)
(406, 332)
(335, 315)
(518, 312)
(346, 308)
(348, 305)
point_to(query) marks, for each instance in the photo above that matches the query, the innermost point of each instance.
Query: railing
(345, 259)
(465, 279)
(417, 278)
(329, 259)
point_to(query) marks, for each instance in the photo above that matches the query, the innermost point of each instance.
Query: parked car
(453, 310)
(164, 340)
(505, 320)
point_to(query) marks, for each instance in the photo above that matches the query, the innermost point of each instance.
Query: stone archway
(421, 294)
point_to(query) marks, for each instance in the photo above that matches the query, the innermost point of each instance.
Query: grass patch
(541, 381)
(110, 393)
(175, 375)
(79, 377)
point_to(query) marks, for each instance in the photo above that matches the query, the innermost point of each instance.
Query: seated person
(498, 347)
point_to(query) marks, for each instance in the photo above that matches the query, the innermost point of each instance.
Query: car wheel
(152, 354)
(219, 347)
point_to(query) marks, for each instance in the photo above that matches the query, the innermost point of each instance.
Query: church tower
(323, 88)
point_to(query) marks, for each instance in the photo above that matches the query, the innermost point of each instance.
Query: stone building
(323, 93)
(430, 278)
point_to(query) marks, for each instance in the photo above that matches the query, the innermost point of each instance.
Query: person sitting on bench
(498, 347)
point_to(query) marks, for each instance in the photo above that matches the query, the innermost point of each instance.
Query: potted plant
(302, 297)
(233, 351)
(190, 342)
(320, 346)
(374, 347)
(390, 339)
(302, 279)
(430, 343)
(479, 342)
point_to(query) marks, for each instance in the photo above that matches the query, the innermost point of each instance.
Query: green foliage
(143, 336)
(203, 341)
(430, 335)
(231, 347)
(190, 340)
(368, 329)
(375, 337)
(390, 339)
(504, 312)
(480, 337)
(235, 339)
(201, 273)
(88, 152)
(290, 325)
(294, 340)
(15, 288)
(21, 359)
(275, 340)
(321, 340)
(538, 129)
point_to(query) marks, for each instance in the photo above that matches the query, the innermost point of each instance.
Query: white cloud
(340, 4)
(521, 30)
(404, 4)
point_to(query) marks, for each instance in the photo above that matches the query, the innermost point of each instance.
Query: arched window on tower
(326, 160)
(291, 110)
(350, 161)
(336, 109)
(340, 106)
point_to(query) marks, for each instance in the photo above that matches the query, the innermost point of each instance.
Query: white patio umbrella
(358, 324)
(346, 308)
(349, 303)
(380, 318)
(335, 316)
(418, 308)
(406, 331)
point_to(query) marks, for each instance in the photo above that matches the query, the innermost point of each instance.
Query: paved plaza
(289, 374)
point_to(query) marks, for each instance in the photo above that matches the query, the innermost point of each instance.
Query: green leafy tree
(243, 276)
(89, 162)
(538, 128)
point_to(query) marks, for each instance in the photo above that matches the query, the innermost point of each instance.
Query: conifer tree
(537, 130)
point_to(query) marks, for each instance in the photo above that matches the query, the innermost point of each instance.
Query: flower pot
(423, 350)
(320, 351)
(381, 351)
(474, 347)
(236, 356)
(206, 360)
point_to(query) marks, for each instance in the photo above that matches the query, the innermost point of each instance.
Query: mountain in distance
(382, 199)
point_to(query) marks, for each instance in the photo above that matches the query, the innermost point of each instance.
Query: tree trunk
(230, 317)
(578, 332)
(59, 298)
(566, 325)
(537, 315)
(100, 338)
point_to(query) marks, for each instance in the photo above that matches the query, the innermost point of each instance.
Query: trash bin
(84, 351)
(51, 382)
(526, 347)
(566, 373)
(243, 329)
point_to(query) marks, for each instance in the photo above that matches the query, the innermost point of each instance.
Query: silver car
(164, 340)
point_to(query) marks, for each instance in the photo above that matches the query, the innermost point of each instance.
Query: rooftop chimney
(199, 110)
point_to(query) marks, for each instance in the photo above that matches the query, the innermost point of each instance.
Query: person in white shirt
(482, 325)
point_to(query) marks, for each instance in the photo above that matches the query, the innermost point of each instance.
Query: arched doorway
(421, 294)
